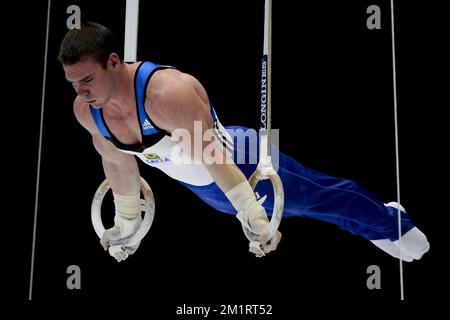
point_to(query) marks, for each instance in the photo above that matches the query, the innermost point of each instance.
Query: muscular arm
(181, 101)
(123, 176)
(185, 101)
(120, 168)
(177, 103)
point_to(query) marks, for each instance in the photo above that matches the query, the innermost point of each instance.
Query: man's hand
(123, 228)
(253, 218)
(261, 227)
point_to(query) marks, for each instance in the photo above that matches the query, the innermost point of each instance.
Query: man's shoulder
(167, 83)
(163, 85)
(167, 74)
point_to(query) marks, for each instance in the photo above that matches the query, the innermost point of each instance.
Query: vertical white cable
(397, 166)
(36, 200)
(131, 30)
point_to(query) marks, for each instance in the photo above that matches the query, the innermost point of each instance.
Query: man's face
(93, 84)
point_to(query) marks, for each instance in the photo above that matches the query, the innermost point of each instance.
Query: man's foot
(412, 245)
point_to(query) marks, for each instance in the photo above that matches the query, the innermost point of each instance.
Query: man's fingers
(266, 246)
(104, 243)
(273, 243)
(110, 234)
(121, 255)
(264, 235)
(131, 250)
(261, 227)
(256, 251)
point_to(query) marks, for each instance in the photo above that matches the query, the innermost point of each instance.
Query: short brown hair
(91, 40)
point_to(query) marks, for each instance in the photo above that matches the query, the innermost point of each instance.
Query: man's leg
(312, 194)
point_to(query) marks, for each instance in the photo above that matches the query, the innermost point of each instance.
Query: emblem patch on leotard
(154, 158)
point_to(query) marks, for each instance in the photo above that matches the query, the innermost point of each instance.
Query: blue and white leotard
(308, 193)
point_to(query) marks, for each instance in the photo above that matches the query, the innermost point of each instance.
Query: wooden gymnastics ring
(262, 173)
(149, 205)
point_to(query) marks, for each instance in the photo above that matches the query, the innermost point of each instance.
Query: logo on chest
(153, 158)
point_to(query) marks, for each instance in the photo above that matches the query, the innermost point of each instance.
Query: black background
(333, 104)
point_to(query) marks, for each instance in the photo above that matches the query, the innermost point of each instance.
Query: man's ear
(114, 58)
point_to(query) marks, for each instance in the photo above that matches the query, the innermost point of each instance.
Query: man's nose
(81, 90)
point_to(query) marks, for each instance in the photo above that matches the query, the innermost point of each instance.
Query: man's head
(92, 40)
(91, 62)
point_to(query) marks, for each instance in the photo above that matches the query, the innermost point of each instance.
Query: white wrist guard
(128, 207)
(244, 201)
(128, 213)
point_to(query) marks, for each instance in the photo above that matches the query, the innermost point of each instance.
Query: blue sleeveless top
(151, 134)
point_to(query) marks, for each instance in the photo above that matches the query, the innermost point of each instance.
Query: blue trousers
(308, 193)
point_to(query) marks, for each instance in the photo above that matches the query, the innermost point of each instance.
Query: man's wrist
(128, 206)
